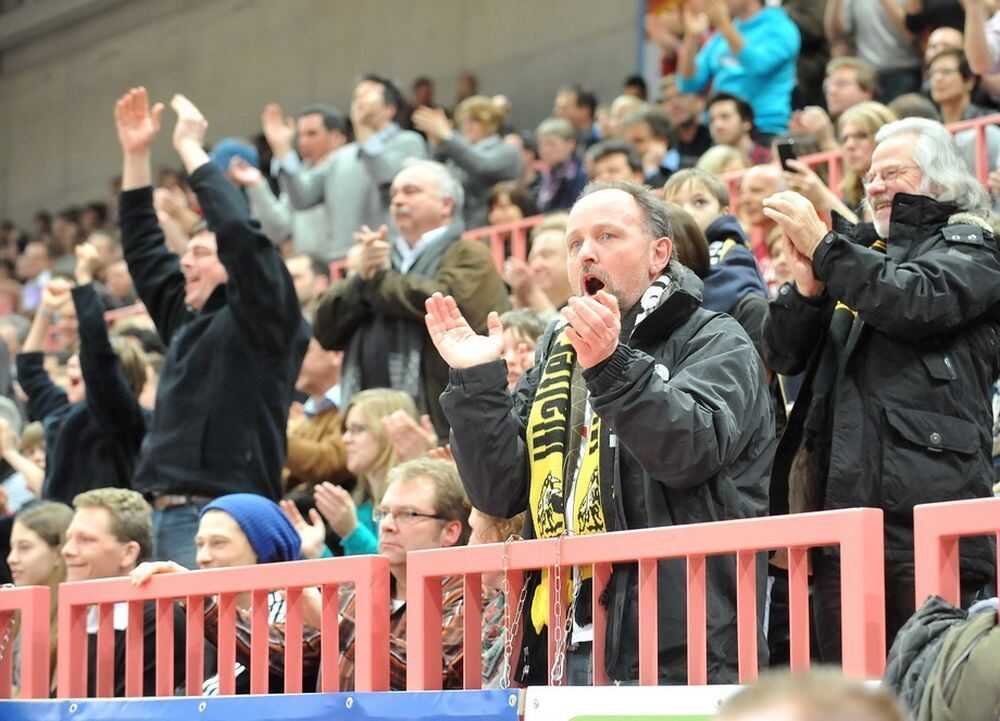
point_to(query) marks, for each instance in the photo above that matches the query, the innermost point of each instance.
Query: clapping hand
(409, 440)
(458, 344)
(798, 220)
(376, 253)
(312, 533)
(279, 130)
(137, 125)
(87, 261)
(593, 326)
(337, 507)
(432, 122)
(55, 295)
(191, 124)
(242, 173)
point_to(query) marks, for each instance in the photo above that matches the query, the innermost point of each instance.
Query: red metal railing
(508, 240)
(858, 533)
(369, 575)
(936, 529)
(32, 605)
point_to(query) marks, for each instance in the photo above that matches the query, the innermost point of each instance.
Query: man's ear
(450, 533)
(130, 555)
(659, 255)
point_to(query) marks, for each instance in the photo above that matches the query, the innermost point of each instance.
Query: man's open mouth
(592, 284)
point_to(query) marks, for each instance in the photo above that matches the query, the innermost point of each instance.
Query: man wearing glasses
(895, 323)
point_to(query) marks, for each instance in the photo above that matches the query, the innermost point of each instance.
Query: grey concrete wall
(57, 140)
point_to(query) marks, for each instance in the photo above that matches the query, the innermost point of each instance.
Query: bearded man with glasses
(895, 323)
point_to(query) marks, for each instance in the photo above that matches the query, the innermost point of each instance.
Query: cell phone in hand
(786, 151)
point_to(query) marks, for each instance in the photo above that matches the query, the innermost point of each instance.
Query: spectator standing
(894, 322)
(93, 430)
(375, 318)
(475, 154)
(353, 185)
(318, 131)
(951, 83)
(311, 277)
(752, 55)
(878, 31)
(228, 311)
(603, 372)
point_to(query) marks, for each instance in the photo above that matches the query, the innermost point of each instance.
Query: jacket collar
(913, 217)
(679, 301)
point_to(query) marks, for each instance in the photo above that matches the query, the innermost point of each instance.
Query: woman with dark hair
(510, 202)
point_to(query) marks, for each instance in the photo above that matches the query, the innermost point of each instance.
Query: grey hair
(946, 176)
(447, 185)
(655, 220)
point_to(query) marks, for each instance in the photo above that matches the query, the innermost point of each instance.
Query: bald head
(759, 182)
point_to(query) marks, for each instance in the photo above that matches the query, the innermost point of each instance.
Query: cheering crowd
(669, 351)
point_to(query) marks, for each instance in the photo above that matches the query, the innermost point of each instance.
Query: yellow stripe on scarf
(547, 437)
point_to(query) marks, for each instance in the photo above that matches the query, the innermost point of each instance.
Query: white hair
(946, 176)
(447, 185)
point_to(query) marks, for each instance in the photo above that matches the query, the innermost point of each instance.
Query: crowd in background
(217, 374)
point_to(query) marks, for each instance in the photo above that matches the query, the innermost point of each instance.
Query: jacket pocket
(927, 457)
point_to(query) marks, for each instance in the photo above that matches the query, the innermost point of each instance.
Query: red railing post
(936, 530)
(33, 605)
(863, 609)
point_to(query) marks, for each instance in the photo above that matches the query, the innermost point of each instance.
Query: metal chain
(8, 632)
(558, 625)
(509, 627)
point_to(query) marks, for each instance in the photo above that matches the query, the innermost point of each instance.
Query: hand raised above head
(279, 130)
(191, 124)
(136, 124)
(458, 344)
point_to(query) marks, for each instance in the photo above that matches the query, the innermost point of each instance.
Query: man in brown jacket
(377, 316)
(315, 447)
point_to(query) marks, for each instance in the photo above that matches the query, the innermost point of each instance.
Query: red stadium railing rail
(32, 606)
(508, 240)
(858, 533)
(369, 575)
(937, 528)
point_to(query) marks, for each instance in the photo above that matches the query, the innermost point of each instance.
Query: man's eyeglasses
(886, 174)
(404, 516)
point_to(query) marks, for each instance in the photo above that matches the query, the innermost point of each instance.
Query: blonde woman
(856, 129)
(370, 457)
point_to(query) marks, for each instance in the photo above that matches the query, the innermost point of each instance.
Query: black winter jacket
(687, 436)
(94, 443)
(225, 389)
(895, 404)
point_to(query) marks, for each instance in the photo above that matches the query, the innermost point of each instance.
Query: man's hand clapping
(87, 261)
(242, 173)
(432, 122)
(458, 344)
(279, 130)
(593, 326)
(191, 124)
(136, 124)
(376, 251)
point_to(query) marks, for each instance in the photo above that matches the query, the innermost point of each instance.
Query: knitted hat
(228, 148)
(269, 531)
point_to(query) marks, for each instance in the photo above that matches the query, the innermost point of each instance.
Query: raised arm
(44, 396)
(155, 270)
(977, 47)
(109, 396)
(259, 291)
(691, 77)
(305, 189)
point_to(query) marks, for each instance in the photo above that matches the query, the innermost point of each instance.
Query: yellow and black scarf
(548, 440)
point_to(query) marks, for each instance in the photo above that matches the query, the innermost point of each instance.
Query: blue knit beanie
(228, 148)
(269, 531)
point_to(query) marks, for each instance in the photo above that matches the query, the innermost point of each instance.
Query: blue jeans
(174, 530)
